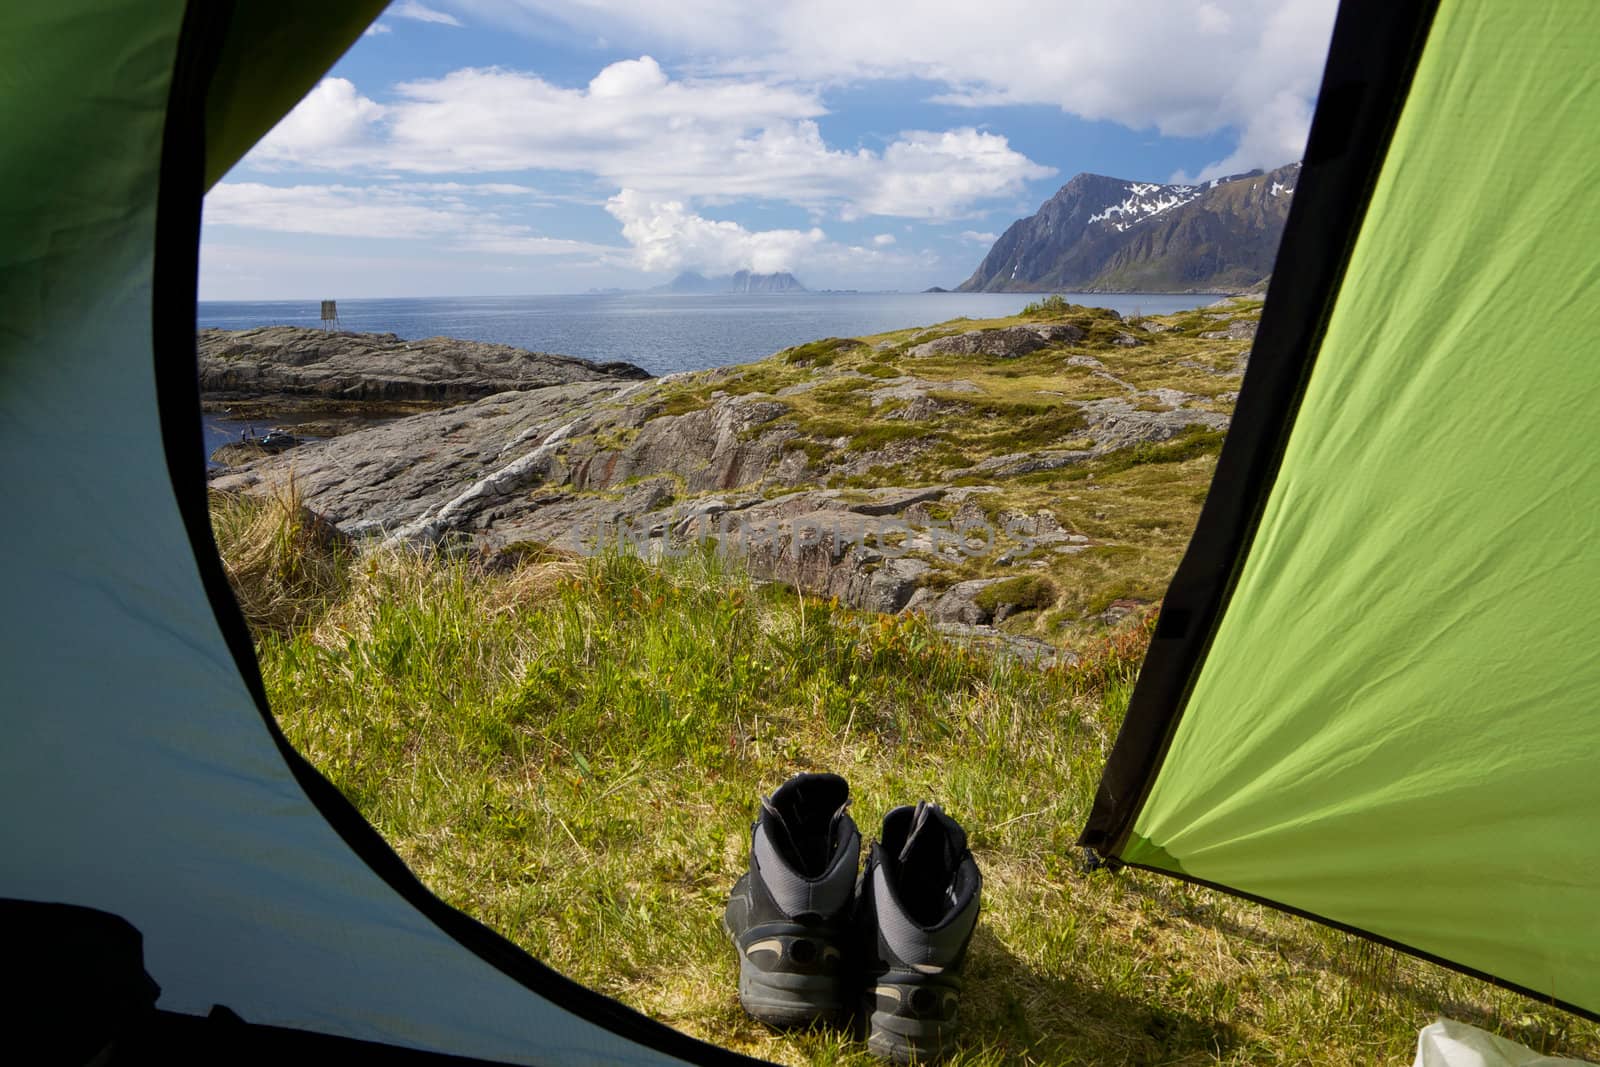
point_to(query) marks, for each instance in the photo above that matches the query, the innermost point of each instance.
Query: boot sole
(789, 1000)
(899, 1039)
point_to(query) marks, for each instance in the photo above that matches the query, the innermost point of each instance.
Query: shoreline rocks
(348, 368)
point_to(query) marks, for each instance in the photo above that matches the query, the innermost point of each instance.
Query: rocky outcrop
(764, 461)
(1238, 330)
(1007, 343)
(296, 361)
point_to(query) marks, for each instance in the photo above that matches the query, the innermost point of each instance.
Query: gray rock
(1237, 330)
(1007, 343)
(957, 604)
(403, 474)
(1030, 650)
(1173, 398)
(1015, 463)
(909, 388)
(296, 361)
(924, 408)
(1116, 424)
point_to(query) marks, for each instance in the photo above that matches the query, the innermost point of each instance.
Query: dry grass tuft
(285, 563)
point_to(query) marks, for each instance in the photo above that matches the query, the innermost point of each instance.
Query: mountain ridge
(1099, 233)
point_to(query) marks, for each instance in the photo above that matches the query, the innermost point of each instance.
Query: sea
(662, 332)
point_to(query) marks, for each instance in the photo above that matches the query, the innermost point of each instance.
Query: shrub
(1049, 307)
(820, 353)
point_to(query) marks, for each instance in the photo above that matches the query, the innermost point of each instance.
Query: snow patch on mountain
(1146, 200)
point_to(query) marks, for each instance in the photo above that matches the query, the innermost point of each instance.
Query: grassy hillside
(1130, 510)
(571, 751)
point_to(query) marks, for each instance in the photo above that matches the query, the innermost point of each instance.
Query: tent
(1369, 698)
(141, 773)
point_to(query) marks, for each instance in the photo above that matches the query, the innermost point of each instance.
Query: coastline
(926, 470)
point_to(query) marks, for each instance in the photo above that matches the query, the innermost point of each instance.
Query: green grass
(819, 353)
(572, 750)
(1190, 444)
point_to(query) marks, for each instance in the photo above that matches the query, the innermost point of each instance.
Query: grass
(285, 564)
(571, 750)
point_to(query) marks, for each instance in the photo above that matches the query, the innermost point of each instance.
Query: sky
(505, 147)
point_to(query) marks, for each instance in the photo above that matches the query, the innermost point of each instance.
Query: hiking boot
(916, 908)
(789, 914)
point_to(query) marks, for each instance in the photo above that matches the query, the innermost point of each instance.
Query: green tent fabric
(1387, 714)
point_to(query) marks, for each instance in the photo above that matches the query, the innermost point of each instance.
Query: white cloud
(634, 127)
(629, 78)
(883, 240)
(940, 175)
(980, 238)
(467, 188)
(1277, 133)
(377, 28)
(1180, 68)
(666, 235)
(1273, 96)
(411, 9)
(333, 118)
(381, 212)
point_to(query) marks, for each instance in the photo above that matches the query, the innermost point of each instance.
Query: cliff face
(1100, 233)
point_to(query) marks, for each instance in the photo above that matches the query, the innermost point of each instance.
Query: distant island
(1100, 234)
(743, 281)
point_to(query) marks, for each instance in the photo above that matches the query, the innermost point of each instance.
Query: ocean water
(660, 332)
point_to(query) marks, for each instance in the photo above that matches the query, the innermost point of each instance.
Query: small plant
(683, 402)
(1051, 306)
(877, 435)
(820, 353)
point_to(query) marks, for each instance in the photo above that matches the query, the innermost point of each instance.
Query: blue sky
(480, 147)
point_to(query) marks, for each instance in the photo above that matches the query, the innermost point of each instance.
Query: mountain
(739, 282)
(1100, 233)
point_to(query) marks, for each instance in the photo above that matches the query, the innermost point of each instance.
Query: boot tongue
(778, 830)
(933, 834)
(919, 822)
